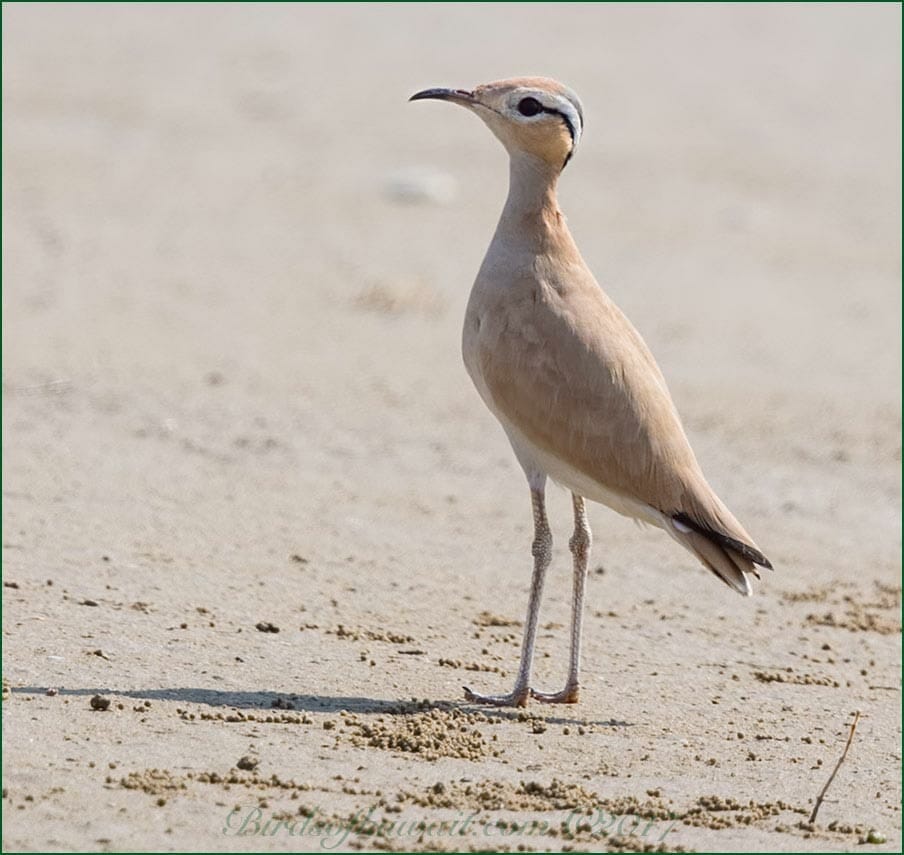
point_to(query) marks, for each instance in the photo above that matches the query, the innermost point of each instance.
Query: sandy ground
(233, 403)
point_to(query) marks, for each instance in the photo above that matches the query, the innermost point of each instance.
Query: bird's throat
(531, 217)
(532, 186)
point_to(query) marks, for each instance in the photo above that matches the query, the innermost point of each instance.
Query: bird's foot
(516, 698)
(568, 695)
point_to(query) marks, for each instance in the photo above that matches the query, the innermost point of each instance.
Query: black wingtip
(743, 549)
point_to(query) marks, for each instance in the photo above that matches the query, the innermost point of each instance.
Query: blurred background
(218, 215)
(235, 264)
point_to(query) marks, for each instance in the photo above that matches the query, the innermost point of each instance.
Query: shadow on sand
(284, 701)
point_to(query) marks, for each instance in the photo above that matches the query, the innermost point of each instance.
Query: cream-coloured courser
(572, 382)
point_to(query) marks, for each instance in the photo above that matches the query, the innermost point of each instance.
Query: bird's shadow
(283, 701)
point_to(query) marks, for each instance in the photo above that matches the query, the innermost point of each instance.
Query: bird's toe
(516, 698)
(568, 695)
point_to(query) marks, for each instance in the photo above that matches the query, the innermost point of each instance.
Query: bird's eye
(529, 106)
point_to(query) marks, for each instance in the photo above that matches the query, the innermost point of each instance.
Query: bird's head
(535, 115)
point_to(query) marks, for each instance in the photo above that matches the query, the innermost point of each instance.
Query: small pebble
(99, 703)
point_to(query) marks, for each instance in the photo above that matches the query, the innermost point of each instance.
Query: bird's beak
(456, 96)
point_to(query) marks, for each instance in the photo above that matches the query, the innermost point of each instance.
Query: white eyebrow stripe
(564, 106)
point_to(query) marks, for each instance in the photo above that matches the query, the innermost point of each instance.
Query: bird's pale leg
(580, 550)
(542, 552)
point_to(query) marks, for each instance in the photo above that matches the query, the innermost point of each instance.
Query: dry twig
(825, 789)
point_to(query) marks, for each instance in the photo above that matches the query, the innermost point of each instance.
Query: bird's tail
(718, 543)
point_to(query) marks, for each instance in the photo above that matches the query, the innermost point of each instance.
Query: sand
(258, 528)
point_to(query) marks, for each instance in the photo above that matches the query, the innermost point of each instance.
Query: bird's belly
(539, 464)
(539, 460)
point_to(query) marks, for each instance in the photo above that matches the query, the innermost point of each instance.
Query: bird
(572, 382)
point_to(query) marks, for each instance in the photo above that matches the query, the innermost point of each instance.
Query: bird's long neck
(531, 211)
(532, 187)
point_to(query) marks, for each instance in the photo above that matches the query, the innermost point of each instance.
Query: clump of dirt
(717, 812)
(431, 733)
(627, 843)
(237, 716)
(266, 626)
(855, 612)
(857, 618)
(489, 619)
(100, 704)
(470, 666)
(788, 676)
(354, 634)
(713, 812)
(649, 808)
(624, 824)
(250, 781)
(813, 595)
(502, 795)
(844, 828)
(157, 782)
(154, 782)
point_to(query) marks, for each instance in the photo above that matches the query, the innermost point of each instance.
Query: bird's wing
(567, 368)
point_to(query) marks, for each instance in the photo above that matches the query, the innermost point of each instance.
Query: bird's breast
(503, 325)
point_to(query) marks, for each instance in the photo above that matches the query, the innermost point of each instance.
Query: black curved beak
(457, 96)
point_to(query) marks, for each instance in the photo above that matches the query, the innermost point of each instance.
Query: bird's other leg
(580, 550)
(542, 552)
